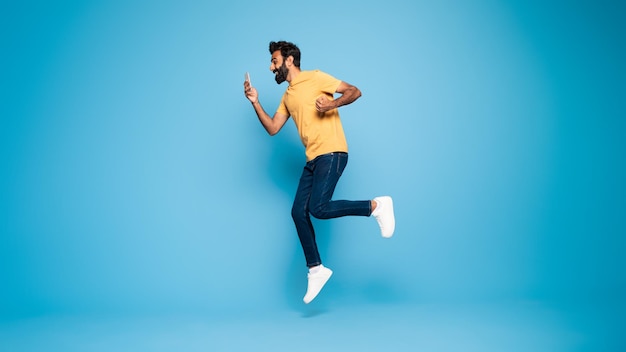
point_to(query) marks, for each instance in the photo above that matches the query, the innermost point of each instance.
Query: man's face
(278, 67)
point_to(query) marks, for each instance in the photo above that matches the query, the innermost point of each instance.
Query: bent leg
(327, 170)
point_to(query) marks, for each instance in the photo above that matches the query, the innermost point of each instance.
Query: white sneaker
(384, 215)
(316, 282)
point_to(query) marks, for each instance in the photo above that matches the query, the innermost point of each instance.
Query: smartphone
(248, 77)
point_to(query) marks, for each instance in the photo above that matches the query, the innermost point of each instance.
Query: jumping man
(309, 100)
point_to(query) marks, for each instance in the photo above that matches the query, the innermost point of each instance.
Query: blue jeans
(313, 197)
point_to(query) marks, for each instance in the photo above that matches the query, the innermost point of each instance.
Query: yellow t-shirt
(320, 133)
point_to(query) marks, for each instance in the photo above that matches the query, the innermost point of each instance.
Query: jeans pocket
(342, 161)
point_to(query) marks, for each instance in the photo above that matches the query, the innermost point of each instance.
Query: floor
(508, 326)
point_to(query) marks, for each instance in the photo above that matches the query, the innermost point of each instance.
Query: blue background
(136, 179)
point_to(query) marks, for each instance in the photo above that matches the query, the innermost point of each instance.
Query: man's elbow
(355, 93)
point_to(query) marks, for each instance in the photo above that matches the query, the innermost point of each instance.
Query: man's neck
(293, 73)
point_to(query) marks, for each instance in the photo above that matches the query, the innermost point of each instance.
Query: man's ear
(289, 60)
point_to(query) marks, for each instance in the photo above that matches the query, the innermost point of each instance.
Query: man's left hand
(323, 104)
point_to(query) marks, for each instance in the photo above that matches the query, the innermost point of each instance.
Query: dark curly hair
(286, 49)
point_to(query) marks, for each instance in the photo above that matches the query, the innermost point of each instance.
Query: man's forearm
(264, 118)
(349, 96)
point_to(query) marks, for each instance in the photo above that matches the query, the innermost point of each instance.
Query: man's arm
(271, 124)
(349, 94)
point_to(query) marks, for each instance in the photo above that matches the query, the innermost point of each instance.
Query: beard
(281, 74)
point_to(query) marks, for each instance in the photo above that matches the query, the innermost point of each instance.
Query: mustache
(280, 73)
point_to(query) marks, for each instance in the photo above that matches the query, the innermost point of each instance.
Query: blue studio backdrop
(135, 177)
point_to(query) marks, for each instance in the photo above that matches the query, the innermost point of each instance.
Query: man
(309, 99)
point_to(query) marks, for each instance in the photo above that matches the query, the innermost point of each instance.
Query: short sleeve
(327, 83)
(282, 108)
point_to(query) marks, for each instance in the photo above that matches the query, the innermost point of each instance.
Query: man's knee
(298, 213)
(319, 212)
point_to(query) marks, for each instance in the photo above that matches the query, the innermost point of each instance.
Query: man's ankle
(315, 269)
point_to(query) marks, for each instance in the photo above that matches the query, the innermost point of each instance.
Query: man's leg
(327, 170)
(315, 190)
(326, 173)
(302, 219)
(318, 274)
